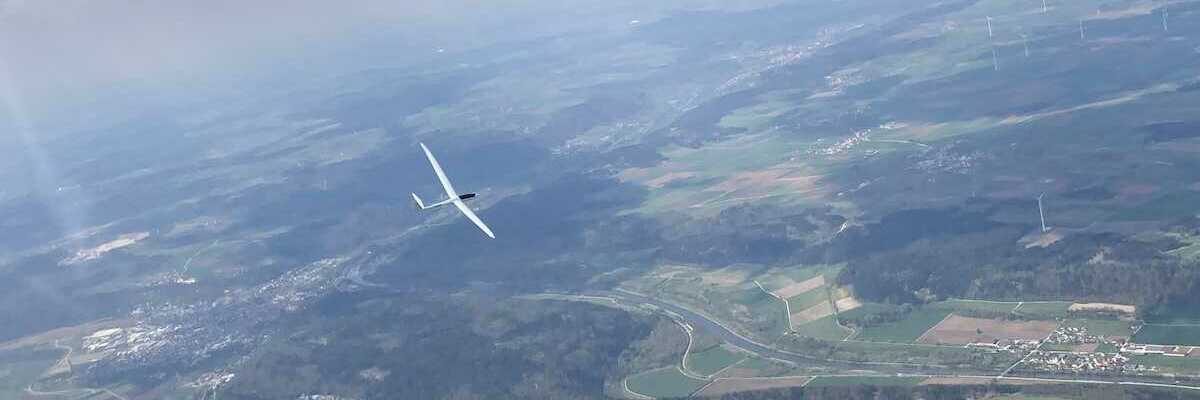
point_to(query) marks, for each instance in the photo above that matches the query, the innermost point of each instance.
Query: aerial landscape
(754, 199)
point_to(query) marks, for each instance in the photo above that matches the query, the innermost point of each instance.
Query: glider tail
(417, 201)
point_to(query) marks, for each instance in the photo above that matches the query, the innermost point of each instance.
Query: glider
(458, 200)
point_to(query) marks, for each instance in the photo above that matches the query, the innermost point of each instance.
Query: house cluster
(1155, 349)
(1073, 335)
(1013, 345)
(1079, 362)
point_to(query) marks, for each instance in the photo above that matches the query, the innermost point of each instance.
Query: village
(1073, 350)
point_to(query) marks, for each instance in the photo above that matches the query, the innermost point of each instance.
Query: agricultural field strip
(944, 346)
(932, 328)
(631, 393)
(1011, 378)
(719, 371)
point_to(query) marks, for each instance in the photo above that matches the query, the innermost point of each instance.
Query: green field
(711, 360)
(1047, 310)
(906, 330)
(20, 368)
(974, 305)
(1169, 364)
(808, 299)
(1188, 335)
(824, 328)
(918, 354)
(864, 380)
(1107, 348)
(1026, 397)
(1102, 327)
(1175, 315)
(761, 364)
(664, 382)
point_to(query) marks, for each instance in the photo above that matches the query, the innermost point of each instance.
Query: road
(714, 327)
(66, 392)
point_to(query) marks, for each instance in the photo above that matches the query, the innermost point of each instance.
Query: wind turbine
(1025, 42)
(1041, 213)
(989, 22)
(1164, 17)
(1043, 6)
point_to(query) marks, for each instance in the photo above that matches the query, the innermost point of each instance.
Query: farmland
(1175, 334)
(1103, 327)
(732, 385)
(712, 360)
(907, 330)
(864, 380)
(964, 330)
(664, 382)
(825, 328)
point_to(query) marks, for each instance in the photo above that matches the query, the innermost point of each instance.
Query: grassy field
(1169, 334)
(1169, 364)
(808, 299)
(864, 380)
(824, 328)
(714, 359)
(1019, 396)
(974, 305)
(1102, 327)
(760, 364)
(20, 368)
(1175, 315)
(1050, 309)
(918, 354)
(906, 330)
(664, 382)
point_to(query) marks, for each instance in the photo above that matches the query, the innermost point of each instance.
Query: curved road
(889, 369)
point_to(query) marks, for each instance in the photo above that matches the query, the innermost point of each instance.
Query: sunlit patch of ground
(1042, 239)
(64, 333)
(725, 277)
(98, 251)
(797, 288)
(664, 180)
(199, 224)
(847, 304)
(746, 169)
(1142, 8)
(1127, 97)
(1104, 307)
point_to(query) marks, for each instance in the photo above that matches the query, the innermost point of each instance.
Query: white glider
(454, 198)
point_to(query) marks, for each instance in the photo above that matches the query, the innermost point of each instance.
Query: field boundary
(918, 339)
